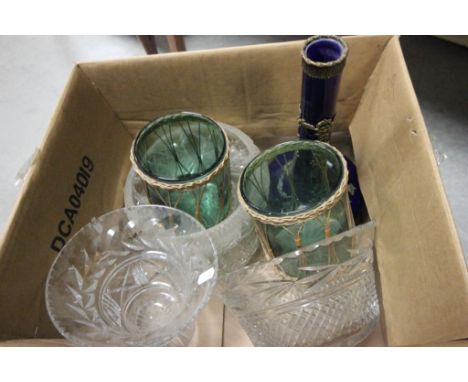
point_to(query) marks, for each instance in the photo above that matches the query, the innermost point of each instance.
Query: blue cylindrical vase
(323, 61)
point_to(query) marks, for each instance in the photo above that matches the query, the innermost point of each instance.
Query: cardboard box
(423, 280)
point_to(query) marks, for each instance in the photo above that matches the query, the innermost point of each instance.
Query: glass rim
(368, 226)
(313, 39)
(279, 149)
(117, 211)
(159, 122)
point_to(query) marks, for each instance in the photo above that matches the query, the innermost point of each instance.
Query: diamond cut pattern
(333, 305)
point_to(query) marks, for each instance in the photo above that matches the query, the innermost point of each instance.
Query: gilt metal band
(324, 70)
(322, 130)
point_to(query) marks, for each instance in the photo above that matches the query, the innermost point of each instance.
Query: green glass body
(291, 179)
(182, 148)
(209, 203)
(285, 239)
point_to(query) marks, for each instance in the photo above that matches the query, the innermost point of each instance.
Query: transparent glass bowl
(136, 276)
(332, 305)
(235, 237)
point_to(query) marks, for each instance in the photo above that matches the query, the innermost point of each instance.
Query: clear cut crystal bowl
(235, 237)
(136, 276)
(332, 304)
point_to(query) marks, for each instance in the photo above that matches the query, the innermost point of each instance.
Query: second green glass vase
(184, 160)
(297, 194)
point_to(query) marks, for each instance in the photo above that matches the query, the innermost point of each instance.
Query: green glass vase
(184, 160)
(297, 194)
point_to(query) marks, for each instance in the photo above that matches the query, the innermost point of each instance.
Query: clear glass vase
(297, 194)
(184, 160)
(333, 304)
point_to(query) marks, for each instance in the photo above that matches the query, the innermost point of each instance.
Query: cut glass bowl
(330, 305)
(135, 276)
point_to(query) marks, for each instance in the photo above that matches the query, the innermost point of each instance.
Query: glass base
(348, 340)
(357, 337)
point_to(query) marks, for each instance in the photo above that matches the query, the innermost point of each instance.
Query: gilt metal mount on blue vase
(323, 61)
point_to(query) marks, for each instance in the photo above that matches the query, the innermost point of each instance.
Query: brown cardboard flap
(255, 88)
(233, 333)
(209, 325)
(423, 278)
(83, 125)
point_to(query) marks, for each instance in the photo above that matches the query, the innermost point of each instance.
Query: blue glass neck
(318, 101)
(319, 95)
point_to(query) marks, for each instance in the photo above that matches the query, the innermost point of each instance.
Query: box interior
(423, 280)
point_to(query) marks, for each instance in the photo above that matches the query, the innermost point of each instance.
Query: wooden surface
(175, 43)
